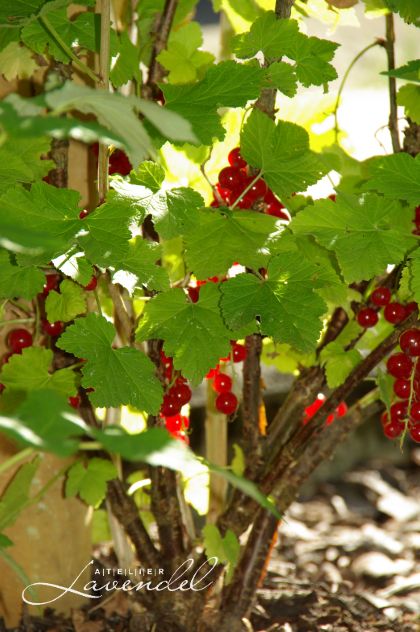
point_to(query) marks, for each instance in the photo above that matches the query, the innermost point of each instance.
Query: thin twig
(104, 59)
(392, 83)
(161, 35)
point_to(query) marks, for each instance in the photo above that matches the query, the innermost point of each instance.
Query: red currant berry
(246, 200)
(269, 197)
(92, 284)
(51, 282)
(181, 436)
(119, 163)
(231, 178)
(415, 412)
(75, 401)
(18, 339)
(341, 409)
(53, 329)
(381, 296)
(170, 406)
(193, 293)
(181, 393)
(410, 342)
(174, 423)
(395, 313)
(393, 430)
(276, 210)
(225, 194)
(399, 411)
(411, 307)
(235, 159)
(213, 372)
(185, 421)
(2, 387)
(238, 352)
(84, 213)
(332, 197)
(414, 432)
(367, 317)
(402, 388)
(226, 403)
(399, 365)
(258, 189)
(222, 383)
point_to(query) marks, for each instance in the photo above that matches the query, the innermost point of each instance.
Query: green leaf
(149, 174)
(5, 542)
(286, 305)
(127, 64)
(414, 274)
(16, 280)
(16, 494)
(409, 72)
(409, 10)
(106, 232)
(409, 97)
(268, 35)
(396, 176)
(181, 58)
(37, 37)
(18, 10)
(282, 153)
(29, 371)
(238, 461)
(141, 262)
(90, 482)
(385, 383)
(282, 76)
(174, 211)
(221, 239)
(111, 110)
(66, 304)
(277, 37)
(226, 84)
(225, 549)
(366, 233)
(44, 218)
(119, 376)
(46, 422)
(338, 363)
(16, 62)
(193, 333)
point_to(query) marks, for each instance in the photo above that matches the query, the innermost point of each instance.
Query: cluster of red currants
(236, 186)
(310, 410)
(394, 312)
(404, 367)
(226, 401)
(177, 395)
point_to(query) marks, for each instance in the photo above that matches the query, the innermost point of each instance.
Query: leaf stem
(76, 61)
(19, 456)
(377, 42)
(392, 83)
(13, 321)
(245, 191)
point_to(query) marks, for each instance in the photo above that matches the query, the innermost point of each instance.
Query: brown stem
(125, 510)
(251, 403)
(104, 8)
(161, 35)
(392, 84)
(284, 8)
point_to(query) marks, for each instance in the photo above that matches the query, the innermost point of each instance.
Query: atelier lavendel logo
(95, 590)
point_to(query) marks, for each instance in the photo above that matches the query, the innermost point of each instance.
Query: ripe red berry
(381, 296)
(341, 409)
(399, 411)
(410, 342)
(193, 293)
(92, 284)
(395, 313)
(367, 317)
(393, 429)
(226, 403)
(332, 197)
(51, 282)
(258, 189)
(276, 210)
(213, 372)
(53, 329)
(402, 388)
(238, 352)
(119, 163)
(231, 178)
(399, 365)
(225, 194)
(222, 383)
(181, 436)
(19, 339)
(411, 307)
(2, 387)
(414, 432)
(174, 423)
(181, 393)
(170, 406)
(415, 412)
(84, 213)
(235, 159)
(75, 401)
